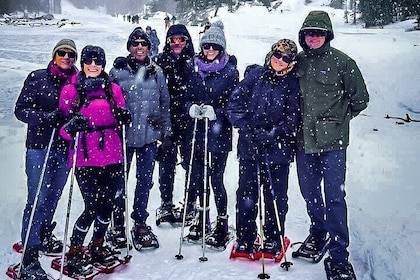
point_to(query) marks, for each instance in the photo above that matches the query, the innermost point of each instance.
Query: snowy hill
(382, 193)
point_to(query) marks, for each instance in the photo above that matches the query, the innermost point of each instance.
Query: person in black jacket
(177, 54)
(265, 108)
(210, 81)
(37, 106)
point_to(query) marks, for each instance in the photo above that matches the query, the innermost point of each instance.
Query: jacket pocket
(327, 132)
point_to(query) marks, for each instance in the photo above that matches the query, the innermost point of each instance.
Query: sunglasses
(215, 47)
(137, 43)
(285, 58)
(62, 53)
(315, 33)
(177, 40)
(98, 61)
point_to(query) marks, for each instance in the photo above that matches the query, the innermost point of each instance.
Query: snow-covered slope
(383, 195)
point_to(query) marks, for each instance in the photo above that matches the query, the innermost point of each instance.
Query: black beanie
(93, 52)
(138, 33)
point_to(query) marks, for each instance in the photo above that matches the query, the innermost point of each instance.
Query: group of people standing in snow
(159, 106)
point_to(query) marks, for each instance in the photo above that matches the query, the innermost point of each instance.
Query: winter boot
(178, 213)
(314, 247)
(100, 253)
(164, 213)
(143, 237)
(196, 229)
(339, 271)
(78, 262)
(272, 247)
(50, 245)
(219, 236)
(31, 268)
(116, 237)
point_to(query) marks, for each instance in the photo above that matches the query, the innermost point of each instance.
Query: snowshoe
(31, 272)
(220, 235)
(143, 237)
(77, 263)
(242, 250)
(339, 271)
(116, 238)
(101, 255)
(312, 248)
(273, 250)
(195, 234)
(178, 213)
(164, 214)
(51, 251)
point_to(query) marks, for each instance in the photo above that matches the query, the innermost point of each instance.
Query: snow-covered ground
(382, 193)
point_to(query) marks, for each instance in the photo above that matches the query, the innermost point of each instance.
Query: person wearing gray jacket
(147, 97)
(333, 92)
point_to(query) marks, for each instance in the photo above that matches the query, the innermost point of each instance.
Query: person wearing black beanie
(145, 89)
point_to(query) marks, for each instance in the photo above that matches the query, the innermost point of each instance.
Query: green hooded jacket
(332, 91)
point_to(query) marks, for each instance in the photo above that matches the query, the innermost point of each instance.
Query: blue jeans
(167, 164)
(274, 184)
(145, 164)
(330, 217)
(53, 182)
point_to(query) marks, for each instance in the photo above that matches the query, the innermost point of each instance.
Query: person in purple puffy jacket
(97, 109)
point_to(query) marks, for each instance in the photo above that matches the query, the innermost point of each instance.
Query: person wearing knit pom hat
(265, 108)
(37, 106)
(146, 91)
(210, 80)
(333, 92)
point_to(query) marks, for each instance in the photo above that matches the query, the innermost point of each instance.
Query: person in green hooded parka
(333, 92)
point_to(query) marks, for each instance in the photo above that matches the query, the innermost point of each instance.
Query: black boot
(101, 254)
(50, 245)
(196, 229)
(78, 262)
(31, 268)
(220, 234)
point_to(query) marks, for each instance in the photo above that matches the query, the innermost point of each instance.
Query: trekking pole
(262, 275)
(124, 145)
(66, 228)
(179, 256)
(35, 203)
(203, 258)
(285, 264)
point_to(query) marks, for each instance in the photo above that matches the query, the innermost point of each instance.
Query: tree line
(370, 12)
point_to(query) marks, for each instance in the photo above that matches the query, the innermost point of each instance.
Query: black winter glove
(156, 120)
(77, 123)
(120, 62)
(55, 118)
(123, 116)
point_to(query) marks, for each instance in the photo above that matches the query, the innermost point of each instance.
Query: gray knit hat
(214, 35)
(64, 44)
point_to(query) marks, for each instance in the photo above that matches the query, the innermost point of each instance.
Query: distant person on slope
(332, 93)
(154, 40)
(37, 105)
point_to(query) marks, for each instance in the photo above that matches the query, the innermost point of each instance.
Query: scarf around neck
(204, 68)
(62, 76)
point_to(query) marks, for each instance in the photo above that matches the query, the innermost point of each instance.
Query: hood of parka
(316, 20)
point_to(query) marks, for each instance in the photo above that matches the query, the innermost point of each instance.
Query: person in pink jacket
(97, 109)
